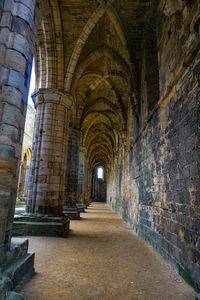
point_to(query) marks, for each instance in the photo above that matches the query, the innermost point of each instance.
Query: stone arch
(118, 108)
(49, 45)
(24, 173)
(96, 54)
(113, 108)
(91, 23)
(94, 125)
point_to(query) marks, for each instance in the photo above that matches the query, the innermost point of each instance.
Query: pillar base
(18, 266)
(72, 212)
(81, 207)
(41, 225)
(88, 202)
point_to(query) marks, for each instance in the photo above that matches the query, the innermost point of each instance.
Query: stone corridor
(117, 89)
(102, 259)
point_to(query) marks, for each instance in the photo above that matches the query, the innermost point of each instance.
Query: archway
(24, 173)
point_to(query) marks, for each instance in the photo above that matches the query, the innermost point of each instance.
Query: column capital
(75, 133)
(82, 149)
(123, 135)
(55, 96)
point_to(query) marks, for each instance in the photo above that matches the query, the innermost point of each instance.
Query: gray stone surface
(14, 296)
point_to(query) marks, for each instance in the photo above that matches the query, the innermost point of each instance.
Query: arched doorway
(99, 184)
(24, 172)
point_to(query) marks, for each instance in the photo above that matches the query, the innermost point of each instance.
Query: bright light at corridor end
(100, 173)
(32, 84)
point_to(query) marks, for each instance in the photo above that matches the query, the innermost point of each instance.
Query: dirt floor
(102, 259)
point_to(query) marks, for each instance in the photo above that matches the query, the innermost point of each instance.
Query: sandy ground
(102, 259)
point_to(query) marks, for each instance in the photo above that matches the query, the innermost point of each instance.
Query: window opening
(32, 84)
(100, 173)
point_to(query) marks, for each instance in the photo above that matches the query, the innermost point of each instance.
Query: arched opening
(98, 184)
(24, 172)
(100, 173)
(27, 142)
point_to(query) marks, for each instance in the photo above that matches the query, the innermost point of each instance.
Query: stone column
(17, 39)
(81, 173)
(16, 52)
(87, 183)
(71, 180)
(45, 197)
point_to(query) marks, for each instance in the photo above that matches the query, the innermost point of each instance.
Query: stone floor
(102, 259)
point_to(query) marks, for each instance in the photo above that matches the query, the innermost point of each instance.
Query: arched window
(100, 173)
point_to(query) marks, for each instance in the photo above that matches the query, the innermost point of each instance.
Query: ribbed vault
(96, 56)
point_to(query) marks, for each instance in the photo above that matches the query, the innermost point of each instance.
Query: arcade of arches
(117, 86)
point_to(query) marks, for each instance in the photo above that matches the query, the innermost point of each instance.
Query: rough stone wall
(159, 196)
(17, 37)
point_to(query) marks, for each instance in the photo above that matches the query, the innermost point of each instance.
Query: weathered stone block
(41, 226)
(14, 296)
(15, 60)
(6, 20)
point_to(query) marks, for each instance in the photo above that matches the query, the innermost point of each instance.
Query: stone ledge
(81, 207)
(88, 202)
(18, 267)
(14, 296)
(18, 248)
(22, 269)
(34, 225)
(72, 212)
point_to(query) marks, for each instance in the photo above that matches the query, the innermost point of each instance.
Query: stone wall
(157, 187)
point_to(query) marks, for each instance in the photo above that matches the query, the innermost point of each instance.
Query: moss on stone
(187, 276)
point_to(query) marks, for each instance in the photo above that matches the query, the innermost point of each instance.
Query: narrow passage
(102, 259)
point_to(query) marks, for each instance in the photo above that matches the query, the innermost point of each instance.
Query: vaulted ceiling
(93, 49)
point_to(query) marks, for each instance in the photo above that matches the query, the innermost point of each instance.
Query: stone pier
(48, 164)
(71, 181)
(17, 39)
(81, 176)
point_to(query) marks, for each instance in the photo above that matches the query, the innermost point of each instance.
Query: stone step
(81, 207)
(18, 248)
(72, 214)
(21, 270)
(5, 286)
(33, 228)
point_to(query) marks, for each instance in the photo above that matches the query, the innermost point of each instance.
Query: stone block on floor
(81, 207)
(36, 225)
(14, 296)
(72, 212)
(18, 266)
